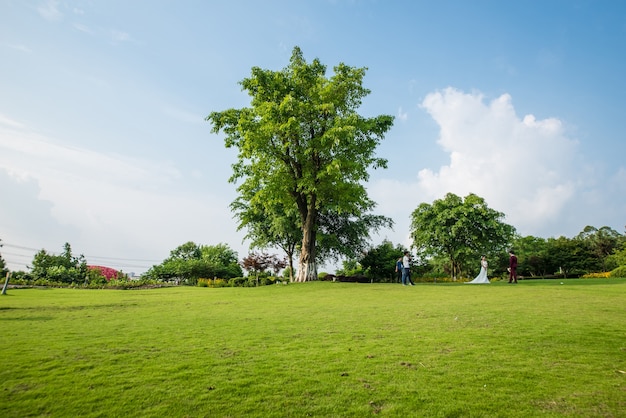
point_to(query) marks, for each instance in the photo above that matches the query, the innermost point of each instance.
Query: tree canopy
(303, 149)
(460, 229)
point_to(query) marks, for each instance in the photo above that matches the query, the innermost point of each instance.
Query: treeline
(594, 252)
(188, 264)
(69, 270)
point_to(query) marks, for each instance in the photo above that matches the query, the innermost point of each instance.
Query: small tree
(257, 263)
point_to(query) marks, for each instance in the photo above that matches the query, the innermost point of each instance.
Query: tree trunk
(290, 256)
(307, 268)
(6, 284)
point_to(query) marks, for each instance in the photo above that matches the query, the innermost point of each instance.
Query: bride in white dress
(482, 276)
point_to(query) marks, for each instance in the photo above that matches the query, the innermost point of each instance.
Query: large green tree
(302, 144)
(459, 229)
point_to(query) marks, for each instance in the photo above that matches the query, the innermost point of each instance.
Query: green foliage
(584, 254)
(379, 262)
(350, 268)
(3, 269)
(533, 257)
(602, 243)
(63, 268)
(619, 272)
(238, 282)
(460, 229)
(303, 155)
(189, 262)
(618, 258)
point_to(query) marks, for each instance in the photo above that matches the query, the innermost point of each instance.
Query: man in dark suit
(512, 267)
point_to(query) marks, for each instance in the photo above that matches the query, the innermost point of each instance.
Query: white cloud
(103, 204)
(524, 168)
(527, 168)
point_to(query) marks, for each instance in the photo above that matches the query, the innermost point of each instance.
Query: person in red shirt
(512, 267)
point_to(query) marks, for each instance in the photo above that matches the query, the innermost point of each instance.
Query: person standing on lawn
(406, 269)
(399, 268)
(512, 267)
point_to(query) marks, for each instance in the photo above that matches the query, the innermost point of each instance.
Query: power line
(25, 255)
(86, 256)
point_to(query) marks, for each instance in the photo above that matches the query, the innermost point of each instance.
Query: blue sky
(103, 142)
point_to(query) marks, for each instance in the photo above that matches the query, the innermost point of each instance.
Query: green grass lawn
(539, 348)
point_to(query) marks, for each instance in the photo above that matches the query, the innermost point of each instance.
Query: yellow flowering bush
(603, 275)
(216, 282)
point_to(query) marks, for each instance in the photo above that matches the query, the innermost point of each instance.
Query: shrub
(619, 272)
(602, 275)
(107, 272)
(212, 282)
(266, 281)
(237, 281)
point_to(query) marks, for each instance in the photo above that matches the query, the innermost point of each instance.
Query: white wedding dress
(482, 276)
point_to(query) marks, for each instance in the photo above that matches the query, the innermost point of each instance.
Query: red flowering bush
(108, 272)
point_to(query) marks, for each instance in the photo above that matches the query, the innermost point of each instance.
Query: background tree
(187, 251)
(190, 262)
(533, 256)
(346, 234)
(223, 259)
(339, 234)
(460, 229)
(256, 264)
(571, 257)
(3, 269)
(602, 242)
(379, 262)
(62, 268)
(4, 273)
(618, 258)
(269, 225)
(303, 144)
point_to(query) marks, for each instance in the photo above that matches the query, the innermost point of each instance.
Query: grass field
(539, 348)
